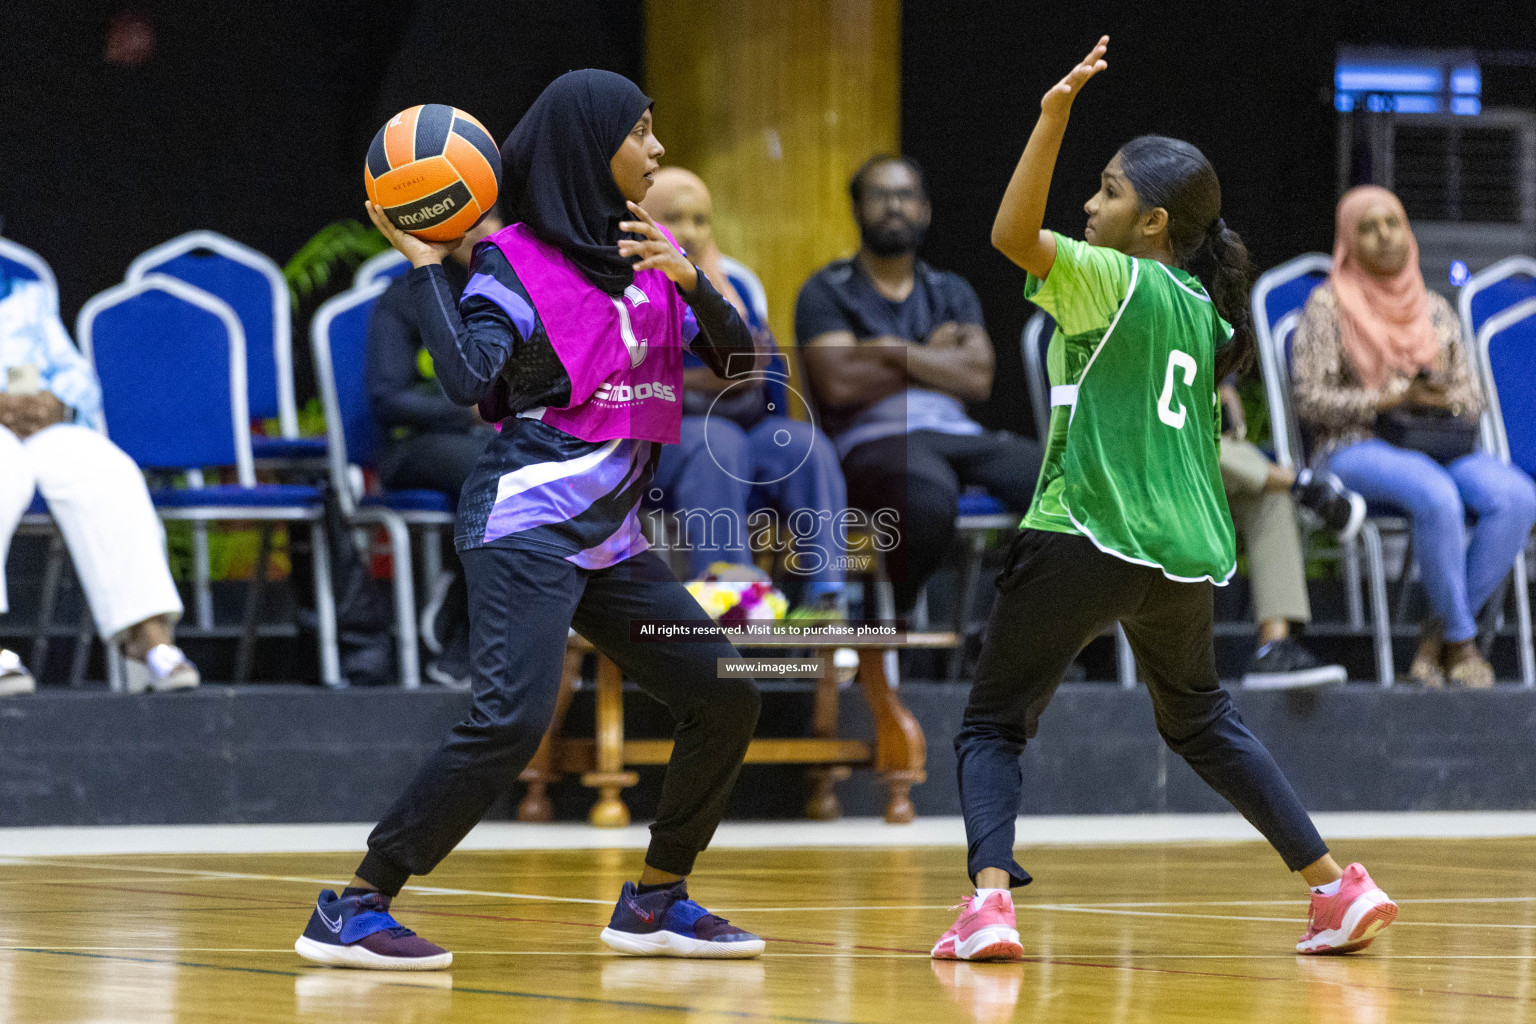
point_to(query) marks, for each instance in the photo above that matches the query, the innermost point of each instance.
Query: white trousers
(97, 496)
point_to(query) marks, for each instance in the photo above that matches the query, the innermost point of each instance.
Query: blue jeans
(1459, 576)
(718, 475)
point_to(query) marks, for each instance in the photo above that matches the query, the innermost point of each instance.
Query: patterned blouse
(1336, 408)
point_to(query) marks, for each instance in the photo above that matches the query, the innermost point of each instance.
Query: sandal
(1472, 673)
(1427, 673)
(1425, 670)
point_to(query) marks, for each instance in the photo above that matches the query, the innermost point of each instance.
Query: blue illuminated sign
(1407, 81)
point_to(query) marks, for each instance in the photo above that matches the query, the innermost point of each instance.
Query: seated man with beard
(894, 349)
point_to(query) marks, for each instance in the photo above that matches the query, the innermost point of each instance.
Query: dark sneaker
(1285, 665)
(357, 931)
(667, 923)
(1340, 509)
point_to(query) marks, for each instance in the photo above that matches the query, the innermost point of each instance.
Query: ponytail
(1222, 263)
(1176, 176)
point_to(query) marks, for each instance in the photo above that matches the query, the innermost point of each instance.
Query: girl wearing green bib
(1129, 522)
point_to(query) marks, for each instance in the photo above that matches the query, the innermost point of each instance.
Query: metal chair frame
(1490, 275)
(383, 266)
(325, 605)
(15, 252)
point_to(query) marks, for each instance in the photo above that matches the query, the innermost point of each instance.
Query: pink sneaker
(1350, 919)
(984, 931)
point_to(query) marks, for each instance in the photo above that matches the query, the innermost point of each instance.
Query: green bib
(1132, 460)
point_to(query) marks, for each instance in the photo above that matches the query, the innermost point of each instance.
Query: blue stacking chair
(20, 262)
(1492, 290)
(1033, 343)
(1506, 354)
(171, 360)
(255, 288)
(339, 339)
(383, 266)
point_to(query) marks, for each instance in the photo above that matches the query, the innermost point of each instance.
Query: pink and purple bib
(623, 354)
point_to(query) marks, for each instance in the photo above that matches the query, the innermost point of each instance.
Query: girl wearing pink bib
(570, 336)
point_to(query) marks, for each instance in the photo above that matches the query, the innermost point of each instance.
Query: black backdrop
(1250, 83)
(253, 116)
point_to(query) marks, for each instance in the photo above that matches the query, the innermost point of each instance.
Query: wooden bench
(897, 753)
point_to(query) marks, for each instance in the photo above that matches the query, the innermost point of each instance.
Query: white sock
(982, 894)
(1330, 889)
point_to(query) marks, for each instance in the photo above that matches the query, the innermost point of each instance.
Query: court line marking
(1112, 909)
(632, 1004)
(1037, 831)
(425, 890)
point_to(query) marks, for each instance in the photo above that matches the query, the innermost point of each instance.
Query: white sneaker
(14, 677)
(163, 668)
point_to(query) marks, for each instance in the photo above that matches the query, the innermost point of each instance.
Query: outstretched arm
(1016, 231)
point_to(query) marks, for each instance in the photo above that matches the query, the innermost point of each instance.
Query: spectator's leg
(521, 604)
(1007, 465)
(1419, 485)
(17, 484)
(706, 480)
(715, 717)
(433, 462)
(1276, 569)
(1266, 519)
(1504, 499)
(1171, 633)
(906, 475)
(1244, 468)
(97, 495)
(802, 479)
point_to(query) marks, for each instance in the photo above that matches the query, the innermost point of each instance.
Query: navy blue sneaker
(357, 931)
(667, 923)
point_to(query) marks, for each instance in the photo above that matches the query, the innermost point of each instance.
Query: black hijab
(557, 175)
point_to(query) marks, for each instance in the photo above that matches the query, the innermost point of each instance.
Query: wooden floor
(1135, 934)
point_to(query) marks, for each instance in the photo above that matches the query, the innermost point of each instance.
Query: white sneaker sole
(1323, 675)
(357, 956)
(1367, 917)
(13, 683)
(665, 943)
(994, 943)
(139, 678)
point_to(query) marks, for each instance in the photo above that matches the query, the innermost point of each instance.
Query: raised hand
(655, 251)
(418, 250)
(1058, 101)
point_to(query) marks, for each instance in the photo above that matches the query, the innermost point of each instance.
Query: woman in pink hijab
(1374, 339)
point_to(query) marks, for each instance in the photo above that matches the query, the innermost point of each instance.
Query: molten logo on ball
(430, 210)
